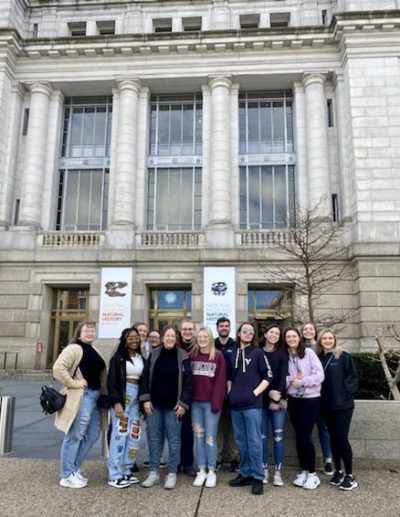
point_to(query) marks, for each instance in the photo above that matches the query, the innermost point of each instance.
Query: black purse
(103, 402)
(51, 400)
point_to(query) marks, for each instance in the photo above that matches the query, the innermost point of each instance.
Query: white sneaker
(119, 483)
(170, 481)
(80, 476)
(312, 482)
(211, 480)
(72, 481)
(265, 480)
(152, 479)
(301, 478)
(277, 480)
(200, 479)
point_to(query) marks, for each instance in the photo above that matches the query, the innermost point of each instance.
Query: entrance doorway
(168, 306)
(70, 307)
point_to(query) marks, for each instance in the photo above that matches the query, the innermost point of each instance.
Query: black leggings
(303, 414)
(338, 424)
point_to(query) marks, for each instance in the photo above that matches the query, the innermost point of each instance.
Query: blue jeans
(277, 421)
(205, 428)
(125, 435)
(324, 439)
(82, 435)
(247, 427)
(163, 423)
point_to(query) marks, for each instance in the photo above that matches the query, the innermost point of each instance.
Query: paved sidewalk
(29, 488)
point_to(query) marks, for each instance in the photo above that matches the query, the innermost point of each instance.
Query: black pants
(187, 441)
(338, 424)
(303, 414)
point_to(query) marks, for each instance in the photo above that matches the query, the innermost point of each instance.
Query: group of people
(211, 400)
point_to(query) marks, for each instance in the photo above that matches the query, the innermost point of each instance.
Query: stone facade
(337, 59)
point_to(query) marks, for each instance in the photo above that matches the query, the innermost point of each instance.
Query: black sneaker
(234, 466)
(241, 481)
(135, 468)
(132, 480)
(337, 478)
(146, 464)
(163, 465)
(257, 487)
(328, 470)
(348, 483)
(119, 483)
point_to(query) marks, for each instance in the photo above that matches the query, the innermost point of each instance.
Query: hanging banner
(219, 297)
(115, 301)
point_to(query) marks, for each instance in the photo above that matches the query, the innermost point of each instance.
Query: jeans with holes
(276, 421)
(82, 435)
(205, 428)
(125, 435)
(247, 427)
(163, 423)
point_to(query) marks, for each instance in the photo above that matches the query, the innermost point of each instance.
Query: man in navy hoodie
(249, 374)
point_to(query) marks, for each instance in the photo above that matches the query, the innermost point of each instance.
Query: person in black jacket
(166, 392)
(337, 404)
(126, 367)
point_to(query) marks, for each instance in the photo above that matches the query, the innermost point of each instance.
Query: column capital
(298, 87)
(337, 77)
(129, 84)
(314, 78)
(43, 88)
(18, 88)
(235, 88)
(220, 80)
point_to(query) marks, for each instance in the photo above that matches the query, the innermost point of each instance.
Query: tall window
(267, 192)
(174, 163)
(169, 305)
(84, 165)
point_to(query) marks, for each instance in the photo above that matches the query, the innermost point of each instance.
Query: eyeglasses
(250, 332)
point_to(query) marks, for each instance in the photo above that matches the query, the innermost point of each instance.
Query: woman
(209, 387)
(126, 367)
(303, 385)
(143, 330)
(249, 376)
(82, 372)
(166, 390)
(337, 402)
(309, 334)
(274, 411)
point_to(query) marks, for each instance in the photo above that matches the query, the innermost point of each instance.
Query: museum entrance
(168, 306)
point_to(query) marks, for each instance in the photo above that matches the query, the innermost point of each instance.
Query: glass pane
(187, 129)
(254, 195)
(188, 301)
(88, 127)
(268, 299)
(250, 300)
(267, 194)
(266, 128)
(76, 126)
(170, 299)
(289, 126)
(95, 206)
(242, 128)
(163, 130)
(100, 127)
(253, 127)
(186, 197)
(71, 199)
(84, 200)
(176, 129)
(176, 201)
(162, 197)
(279, 127)
(280, 196)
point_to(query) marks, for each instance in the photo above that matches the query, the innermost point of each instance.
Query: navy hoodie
(249, 366)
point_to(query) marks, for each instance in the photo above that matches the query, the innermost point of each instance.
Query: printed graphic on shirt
(204, 368)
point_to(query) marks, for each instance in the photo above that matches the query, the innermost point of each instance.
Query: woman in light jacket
(82, 372)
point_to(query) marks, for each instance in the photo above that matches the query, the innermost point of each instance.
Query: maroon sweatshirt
(209, 379)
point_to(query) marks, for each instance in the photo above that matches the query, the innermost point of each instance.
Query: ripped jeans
(125, 435)
(275, 419)
(205, 428)
(82, 435)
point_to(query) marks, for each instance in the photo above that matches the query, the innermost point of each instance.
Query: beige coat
(63, 371)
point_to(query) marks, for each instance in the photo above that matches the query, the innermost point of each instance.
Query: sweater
(209, 379)
(311, 368)
(341, 381)
(164, 388)
(249, 368)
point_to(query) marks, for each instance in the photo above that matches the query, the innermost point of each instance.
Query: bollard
(104, 444)
(7, 409)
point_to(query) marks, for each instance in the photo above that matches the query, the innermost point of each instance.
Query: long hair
(240, 328)
(122, 350)
(301, 349)
(337, 350)
(78, 330)
(313, 326)
(196, 349)
(279, 344)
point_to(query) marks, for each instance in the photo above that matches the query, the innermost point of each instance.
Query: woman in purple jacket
(303, 385)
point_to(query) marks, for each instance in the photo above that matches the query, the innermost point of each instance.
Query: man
(187, 330)
(227, 448)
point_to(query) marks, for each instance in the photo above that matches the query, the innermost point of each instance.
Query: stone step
(27, 375)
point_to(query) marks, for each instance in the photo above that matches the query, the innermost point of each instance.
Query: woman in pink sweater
(209, 388)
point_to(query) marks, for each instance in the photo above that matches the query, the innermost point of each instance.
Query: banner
(219, 297)
(115, 301)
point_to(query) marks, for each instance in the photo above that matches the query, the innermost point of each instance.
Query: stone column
(205, 172)
(317, 144)
(234, 145)
(300, 145)
(35, 155)
(126, 152)
(142, 150)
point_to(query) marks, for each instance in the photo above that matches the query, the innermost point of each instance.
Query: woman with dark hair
(249, 375)
(309, 334)
(82, 372)
(166, 391)
(274, 411)
(337, 403)
(126, 367)
(303, 385)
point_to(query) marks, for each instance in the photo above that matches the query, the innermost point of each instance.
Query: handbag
(103, 402)
(51, 400)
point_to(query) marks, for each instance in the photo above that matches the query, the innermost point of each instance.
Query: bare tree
(392, 375)
(314, 262)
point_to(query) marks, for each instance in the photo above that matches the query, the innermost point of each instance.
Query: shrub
(373, 384)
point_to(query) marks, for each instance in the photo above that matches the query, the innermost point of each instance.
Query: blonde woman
(337, 404)
(209, 388)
